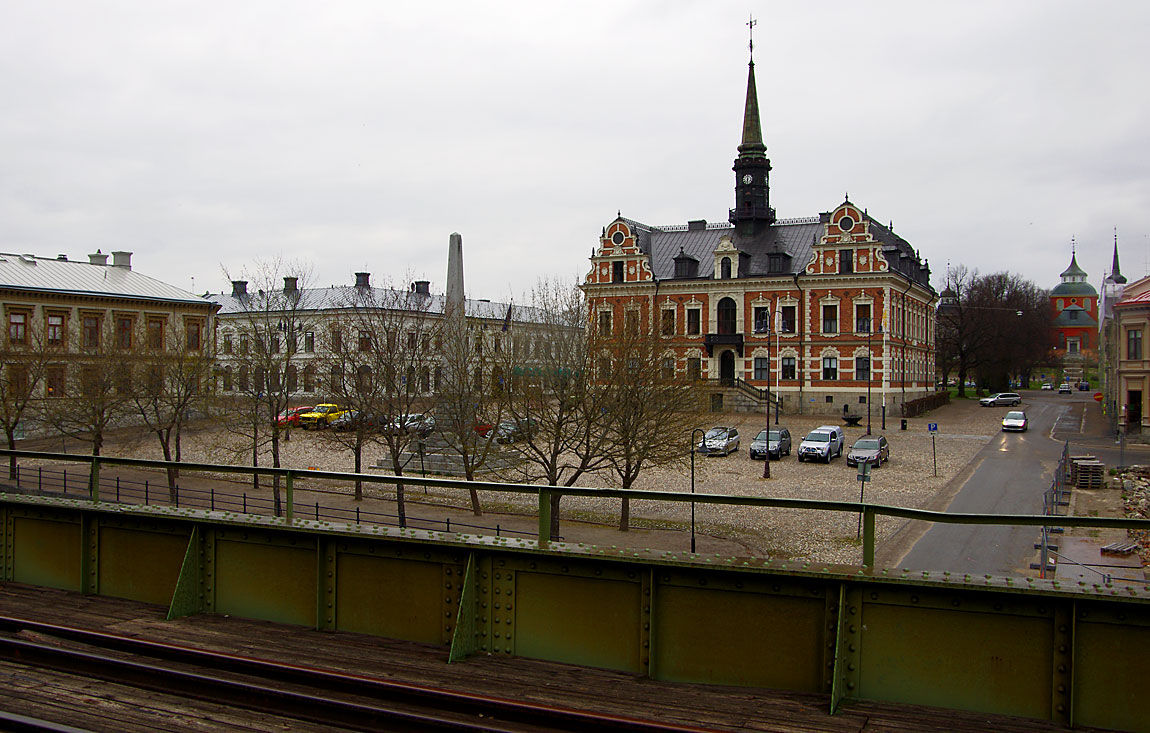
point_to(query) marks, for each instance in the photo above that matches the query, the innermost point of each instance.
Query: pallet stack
(1087, 473)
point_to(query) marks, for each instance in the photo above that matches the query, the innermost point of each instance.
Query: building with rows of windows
(824, 312)
(317, 324)
(76, 315)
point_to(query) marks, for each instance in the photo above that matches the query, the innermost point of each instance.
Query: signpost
(933, 428)
(864, 476)
(1097, 396)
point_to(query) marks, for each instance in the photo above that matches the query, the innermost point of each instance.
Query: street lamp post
(870, 373)
(694, 450)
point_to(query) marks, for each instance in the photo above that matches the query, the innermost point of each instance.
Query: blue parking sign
(932, 427)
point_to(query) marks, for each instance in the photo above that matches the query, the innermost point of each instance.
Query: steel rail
(488, 713)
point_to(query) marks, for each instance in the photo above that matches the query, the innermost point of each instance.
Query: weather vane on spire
(751, 23)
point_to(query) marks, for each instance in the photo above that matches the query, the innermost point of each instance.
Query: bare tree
(25, 357)
(172, 380)
(555, 396)
(272, 315)
(386, 367)
(994, 325)
(648, 409)
(88, 391)
(477, 371)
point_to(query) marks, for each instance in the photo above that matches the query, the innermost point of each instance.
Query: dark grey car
(872, 449)
(771, 443)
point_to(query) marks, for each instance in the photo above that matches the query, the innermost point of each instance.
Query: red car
(290, 416)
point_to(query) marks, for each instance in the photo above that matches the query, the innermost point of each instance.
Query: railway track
(322, 697)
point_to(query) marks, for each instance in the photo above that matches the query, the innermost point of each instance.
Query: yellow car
(321, 416)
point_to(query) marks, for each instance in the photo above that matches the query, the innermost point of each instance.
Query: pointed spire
(1115, 272)
(752, 145)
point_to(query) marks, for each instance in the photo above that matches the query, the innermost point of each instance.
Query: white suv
(823, 443)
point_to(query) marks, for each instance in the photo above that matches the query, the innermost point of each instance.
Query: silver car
(719, 441)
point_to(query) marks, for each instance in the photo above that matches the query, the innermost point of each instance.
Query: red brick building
(825, 311)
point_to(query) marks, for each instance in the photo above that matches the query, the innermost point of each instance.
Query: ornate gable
(847, 245)
(619, 258)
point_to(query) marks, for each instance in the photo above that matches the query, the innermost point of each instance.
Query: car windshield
(867, 444)
(765, 434)
(819, 438)
(1015, 416)
(716, 433)
(776, 435)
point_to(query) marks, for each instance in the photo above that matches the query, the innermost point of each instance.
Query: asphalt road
(1009, 477)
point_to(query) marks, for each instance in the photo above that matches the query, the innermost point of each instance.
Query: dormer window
(776, 263)
(725, 268)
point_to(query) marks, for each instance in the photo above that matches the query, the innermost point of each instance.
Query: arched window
(725, 268)
(727, 317)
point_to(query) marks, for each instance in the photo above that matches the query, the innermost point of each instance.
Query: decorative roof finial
(751, 23)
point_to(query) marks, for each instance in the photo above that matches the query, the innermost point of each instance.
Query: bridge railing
(543, 495)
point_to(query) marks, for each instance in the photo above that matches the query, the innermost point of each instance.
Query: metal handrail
(545, 492)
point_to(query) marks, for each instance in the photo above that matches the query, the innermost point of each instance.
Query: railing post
(868, 537)
(544, 518)
(94, 479)
(290, 495)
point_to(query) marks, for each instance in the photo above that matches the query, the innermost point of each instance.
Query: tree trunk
(625, 515)
(358, 451)
(11, 459)
(165, 446)
(400, 510)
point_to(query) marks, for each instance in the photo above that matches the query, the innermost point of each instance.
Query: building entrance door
(1134, 411)
(727, 368)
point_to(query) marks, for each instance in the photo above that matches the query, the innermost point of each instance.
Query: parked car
(349, 420)
(1047, 387)
(321, 416)
(421, 424)
(1083, 386)
(1064, 388)
(1015, 420)
(719, 440)
(771, 443)
(872, 449)
(823, 443)
(289, 418)
(510, 431)
(1001, 398)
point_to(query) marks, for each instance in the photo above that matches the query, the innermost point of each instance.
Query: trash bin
(903, 424)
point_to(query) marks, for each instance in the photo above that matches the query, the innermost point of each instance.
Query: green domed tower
(1075, 304)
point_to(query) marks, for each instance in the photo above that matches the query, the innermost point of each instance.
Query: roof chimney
(696, 225)
(421, 287)
(62, 258)
(122, 259)
(98, 258)
(239, 288)
(291, 284)
(362, 279)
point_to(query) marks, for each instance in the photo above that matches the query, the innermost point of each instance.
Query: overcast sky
(358, 135)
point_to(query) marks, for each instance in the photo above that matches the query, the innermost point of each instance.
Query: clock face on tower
(747, 179)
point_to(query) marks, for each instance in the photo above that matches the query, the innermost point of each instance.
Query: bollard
(117, 488)
(212, 499)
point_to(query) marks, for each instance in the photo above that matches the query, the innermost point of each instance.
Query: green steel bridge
(1045, 649)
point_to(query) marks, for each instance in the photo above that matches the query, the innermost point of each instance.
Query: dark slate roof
(315, 299)
(1082, 320)
(793, 237)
